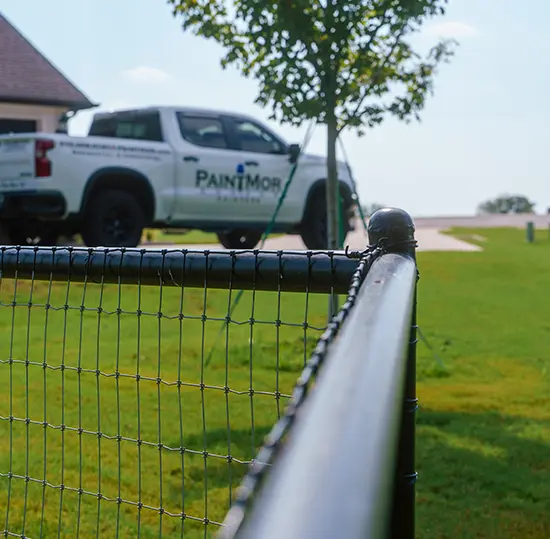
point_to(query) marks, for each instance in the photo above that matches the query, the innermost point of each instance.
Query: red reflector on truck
(43, 166)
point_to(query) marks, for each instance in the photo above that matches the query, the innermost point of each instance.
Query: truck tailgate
(16, 163)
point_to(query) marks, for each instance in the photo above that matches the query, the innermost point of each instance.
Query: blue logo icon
(240, 168)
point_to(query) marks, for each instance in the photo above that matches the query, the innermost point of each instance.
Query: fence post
(530, 232)
(394, 230)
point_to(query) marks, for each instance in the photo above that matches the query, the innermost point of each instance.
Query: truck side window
(143, 126)
(202, 131)
(252, 138)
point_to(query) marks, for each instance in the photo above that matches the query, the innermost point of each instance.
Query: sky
(483, 133)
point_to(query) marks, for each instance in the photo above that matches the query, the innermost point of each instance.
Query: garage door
(8, 125)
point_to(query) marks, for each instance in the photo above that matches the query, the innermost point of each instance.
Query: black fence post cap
(393, 229)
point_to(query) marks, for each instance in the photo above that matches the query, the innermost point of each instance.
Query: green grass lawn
(484, 423)
(199, 414)
(193, 237)
(483, 427)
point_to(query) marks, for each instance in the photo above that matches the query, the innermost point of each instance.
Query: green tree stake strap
(333, 303)
(267, 232)
(354, 184)
(333, 300)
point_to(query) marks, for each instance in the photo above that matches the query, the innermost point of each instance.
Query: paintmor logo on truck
(239, 183)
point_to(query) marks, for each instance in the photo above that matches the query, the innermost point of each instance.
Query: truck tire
(240, 239)
(314, 227)
(27, 233)
(113, 218)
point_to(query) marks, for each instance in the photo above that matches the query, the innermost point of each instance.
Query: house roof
(26, 76)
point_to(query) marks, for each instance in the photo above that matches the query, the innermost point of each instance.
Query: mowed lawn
(484, 423)
(191, 237)
(84, 349)
(483, 428)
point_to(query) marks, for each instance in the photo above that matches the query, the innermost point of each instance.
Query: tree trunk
(333, 199)
(333, 192)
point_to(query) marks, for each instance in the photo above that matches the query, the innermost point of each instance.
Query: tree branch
(379, 69)
(372, 35)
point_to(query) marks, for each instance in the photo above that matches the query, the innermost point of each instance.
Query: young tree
(344, 63)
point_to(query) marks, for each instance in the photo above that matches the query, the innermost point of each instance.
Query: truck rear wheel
(113, 219)
(28, 232)
(240, 239)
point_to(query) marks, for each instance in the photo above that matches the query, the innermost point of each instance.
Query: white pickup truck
(163, 167)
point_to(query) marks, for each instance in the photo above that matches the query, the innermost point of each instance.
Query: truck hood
(319, 159)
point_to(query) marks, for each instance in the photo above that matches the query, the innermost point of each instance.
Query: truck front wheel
(113, 219)
(314, 228)
(240, 239)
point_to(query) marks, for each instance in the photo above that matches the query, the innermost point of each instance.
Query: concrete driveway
(430, 238)
(428, 233)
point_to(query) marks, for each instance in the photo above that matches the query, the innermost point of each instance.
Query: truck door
(211, 186)
(267, 167)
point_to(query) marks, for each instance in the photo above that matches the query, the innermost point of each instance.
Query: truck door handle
(191, 158)
(251, 163)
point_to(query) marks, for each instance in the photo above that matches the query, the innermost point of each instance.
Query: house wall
(47, 118)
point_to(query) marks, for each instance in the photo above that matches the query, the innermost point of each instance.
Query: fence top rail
(334, 452)
(285, 271)
(334, 474)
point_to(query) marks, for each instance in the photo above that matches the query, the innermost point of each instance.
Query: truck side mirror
(294, 152)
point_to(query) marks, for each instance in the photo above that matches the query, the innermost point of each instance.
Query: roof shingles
(26, 76)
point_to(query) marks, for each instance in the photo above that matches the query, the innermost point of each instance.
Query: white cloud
(146, 75)
(451, 29)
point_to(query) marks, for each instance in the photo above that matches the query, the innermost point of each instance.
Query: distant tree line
(502, 204)
(507, 204)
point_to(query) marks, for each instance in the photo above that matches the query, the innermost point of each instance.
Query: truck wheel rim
(117, 225)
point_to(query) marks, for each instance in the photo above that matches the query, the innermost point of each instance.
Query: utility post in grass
(347, 64)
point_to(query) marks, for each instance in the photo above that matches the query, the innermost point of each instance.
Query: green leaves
(353, 57)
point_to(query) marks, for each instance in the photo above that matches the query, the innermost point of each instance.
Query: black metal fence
(140, 388)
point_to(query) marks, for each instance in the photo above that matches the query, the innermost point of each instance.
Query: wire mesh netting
(275, 441)
(135, 409)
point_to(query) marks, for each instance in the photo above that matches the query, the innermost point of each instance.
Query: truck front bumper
(44, 205)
